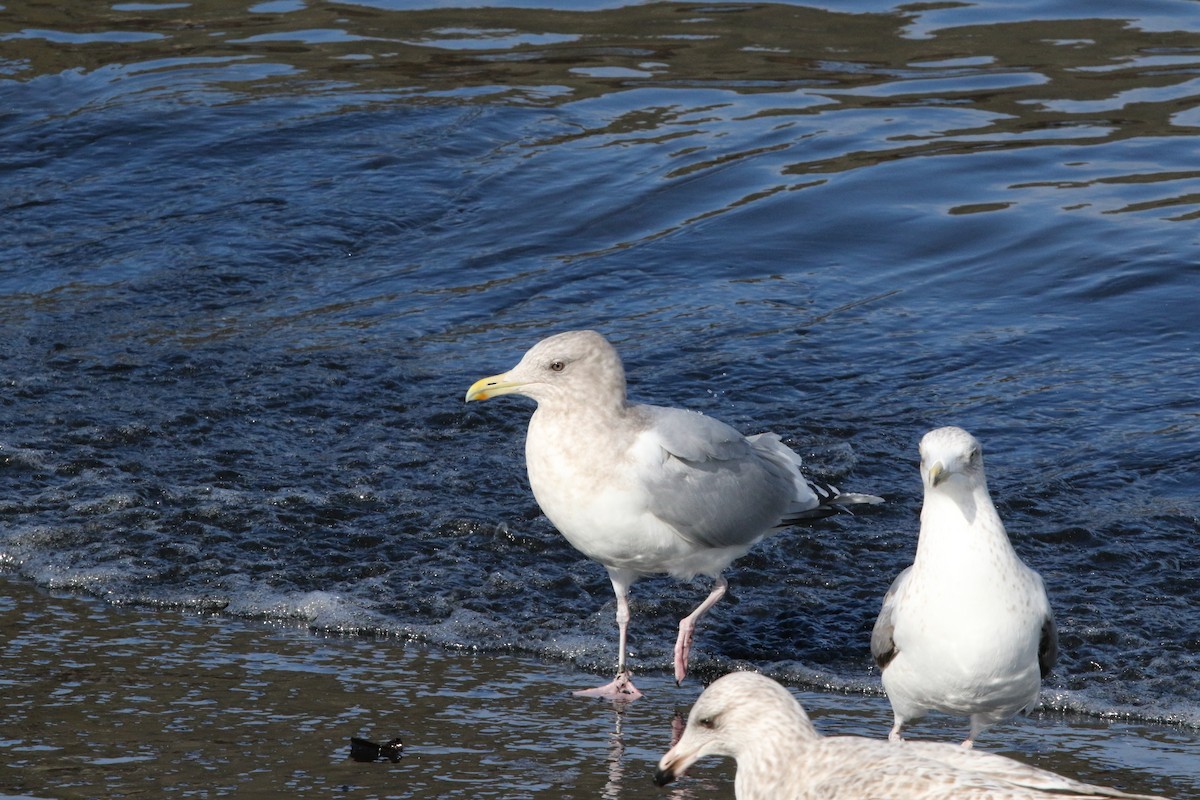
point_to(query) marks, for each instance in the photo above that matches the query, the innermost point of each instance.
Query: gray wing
(692, 436)
(714, 486)
(883, 646)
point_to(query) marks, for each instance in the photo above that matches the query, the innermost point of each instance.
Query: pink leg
(687, 626)
(978, 725)
(621, 688)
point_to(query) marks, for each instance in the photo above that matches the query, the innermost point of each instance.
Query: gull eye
(557, 366)
(707, 722)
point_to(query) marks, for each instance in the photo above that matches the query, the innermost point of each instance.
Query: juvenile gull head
(967, 629)
(647, 489)
(574, 369)
(780, 756)
(751, 719)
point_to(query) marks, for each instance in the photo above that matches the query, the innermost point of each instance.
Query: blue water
(253, 255)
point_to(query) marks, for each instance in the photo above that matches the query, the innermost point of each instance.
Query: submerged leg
(621, 688)
(687, 627)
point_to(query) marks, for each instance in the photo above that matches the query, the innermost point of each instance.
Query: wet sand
(105, 701)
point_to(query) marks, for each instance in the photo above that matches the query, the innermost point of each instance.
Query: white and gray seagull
(646, 489)
(781, 756)
(967, 629)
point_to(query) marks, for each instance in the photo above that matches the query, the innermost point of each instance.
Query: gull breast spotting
(967, 629)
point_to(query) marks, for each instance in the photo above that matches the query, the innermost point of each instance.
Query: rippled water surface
(253, 255)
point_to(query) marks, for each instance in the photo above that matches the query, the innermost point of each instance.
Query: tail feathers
(830, 500)
(855, 499)
(830, 495)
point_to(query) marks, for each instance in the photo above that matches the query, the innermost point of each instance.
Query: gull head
(576, 367)
(951, 457)
(745, 716)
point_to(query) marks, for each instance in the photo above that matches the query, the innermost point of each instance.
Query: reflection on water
(823, 92)
(629, 773)
(613, 789)
(1035, 79)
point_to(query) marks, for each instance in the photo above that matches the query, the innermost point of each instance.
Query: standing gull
(646, 489)
(780, 756)
(967, 629)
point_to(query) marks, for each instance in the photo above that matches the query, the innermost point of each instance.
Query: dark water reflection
(1044, 79)
(737, 105)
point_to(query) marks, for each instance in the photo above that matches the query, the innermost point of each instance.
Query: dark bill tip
(662, 777)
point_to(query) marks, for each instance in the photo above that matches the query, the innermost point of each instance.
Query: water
(255, 253)
(111, 701)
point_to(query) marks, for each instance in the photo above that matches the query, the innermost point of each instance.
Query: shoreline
(112, 701)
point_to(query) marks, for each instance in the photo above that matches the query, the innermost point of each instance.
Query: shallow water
(255, 253)
(104, 701)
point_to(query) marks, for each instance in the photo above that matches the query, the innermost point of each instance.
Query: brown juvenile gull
(780, 756)
(967, 629)
(646, 489)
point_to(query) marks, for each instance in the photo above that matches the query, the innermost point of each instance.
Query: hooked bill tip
(482, 389)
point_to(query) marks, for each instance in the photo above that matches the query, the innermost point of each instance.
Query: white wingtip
(854, 499)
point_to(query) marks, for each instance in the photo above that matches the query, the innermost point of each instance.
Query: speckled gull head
(734, 717)
(561, 369)
(952, 467)
(951, 454)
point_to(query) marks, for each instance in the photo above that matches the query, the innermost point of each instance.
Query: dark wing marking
(1048, 646)
(883, 646)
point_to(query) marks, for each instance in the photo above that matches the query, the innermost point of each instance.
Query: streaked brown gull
(781, 756)
(647, 489)
(967, 629)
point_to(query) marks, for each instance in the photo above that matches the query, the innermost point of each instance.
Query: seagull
(781, 756)
(646, 489)
(967, 629)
